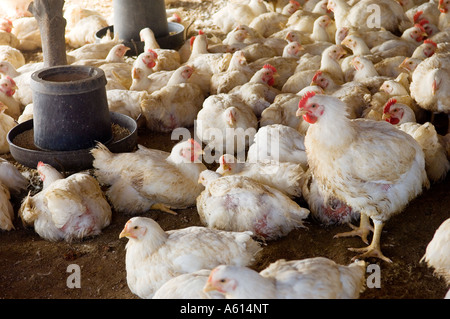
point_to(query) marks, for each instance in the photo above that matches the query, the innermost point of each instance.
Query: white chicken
(11, 177)
(236, 12)
(66, 208)
(176, 104)
(430, 85)
(12, 55)
(126, 102)
(6, 124)
(436, 254)
(311, 278)
(258, 93)
(168, 59)
(240, 203)
(6, 37)
(279, 143)
(187, 286)
(238, 73)
(7, 89)
(27, 31)
(226, 124)
(115, 55)
(338, 163)
(391, 15)
(6, 209)
(154, 256)
(284, 176)
(150, 179)
(90, 51)
(84, 30)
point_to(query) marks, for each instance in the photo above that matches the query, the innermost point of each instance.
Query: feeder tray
(174, 40)
(76, 160)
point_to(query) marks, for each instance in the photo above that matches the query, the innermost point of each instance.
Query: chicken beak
(124, 233)
(208, 287)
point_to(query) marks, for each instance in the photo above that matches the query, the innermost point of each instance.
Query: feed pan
(71, 161)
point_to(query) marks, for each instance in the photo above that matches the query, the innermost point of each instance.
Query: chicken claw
(163, 208)
(362, 231)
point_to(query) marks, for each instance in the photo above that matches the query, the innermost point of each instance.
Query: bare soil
(33, 268)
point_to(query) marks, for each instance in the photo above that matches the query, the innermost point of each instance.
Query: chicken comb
(417, 16)
(155, 55)
(40, 164)
(423, 22)
(177, 17)
(318, 73)
(200, 32)
(270, 67)
(388, 105)
(305, 99)
(417, 25)
(191, 41)
(295, 3)
(430, 42)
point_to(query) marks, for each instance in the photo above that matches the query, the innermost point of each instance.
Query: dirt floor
(33, 268)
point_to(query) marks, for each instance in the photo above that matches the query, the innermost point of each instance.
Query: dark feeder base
(71, 161)
(174, 40)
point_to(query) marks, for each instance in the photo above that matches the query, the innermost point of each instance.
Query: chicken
(240, 203)
(6, 37)
(176, 104)
(258, 93)
(74, 13)
(97, 51)
(27, 114)
(6, 209)
(27, 31)
(405, 45)
(355, 95)
(338, 162)
(226, 124)
(6, 124)
(154, 256)
(285, 65)
(115, 55)
(126, 102)
(66, 208)
(7, 89)
(444, 17)
(366, 74)
(238, 73)
(187, 286)
(436, 254)
(84, 30)
(279, 143)
(168, 59)
(425, 50)
(11, 177)
(236, 12)
(150, 179)
(22, 78)
(430, 85)
(311, 278)
(12, 55)
(271, 22)
(285, 177)
(391, 15)
(436, 163)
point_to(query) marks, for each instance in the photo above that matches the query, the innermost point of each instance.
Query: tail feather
(27, 212)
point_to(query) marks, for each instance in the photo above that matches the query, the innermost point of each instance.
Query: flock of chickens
(297, 99)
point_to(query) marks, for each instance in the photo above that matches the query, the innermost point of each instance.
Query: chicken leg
(163, 208)
(362, 231)
(373, 250)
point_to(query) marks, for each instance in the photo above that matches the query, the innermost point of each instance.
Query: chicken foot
(362, 231)
(374, 249)
(163, 208)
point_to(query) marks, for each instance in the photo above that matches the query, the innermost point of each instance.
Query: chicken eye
(313, 106)
(135, 227)
(222, 280)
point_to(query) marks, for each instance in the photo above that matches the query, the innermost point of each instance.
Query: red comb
(420, 27)
(305, 99)
(430, 42)
(388, 105)
(40, 163)
(192, 40)
(201, 32)
(270, 67)
(155, 55)
(177, 17)
(295, 3)
(423, 22)
(417, 16)
(318, 73)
